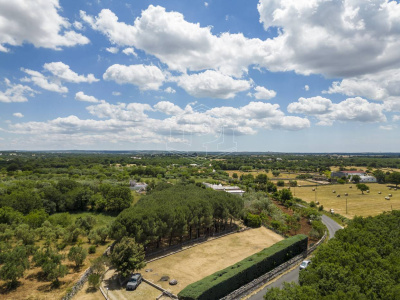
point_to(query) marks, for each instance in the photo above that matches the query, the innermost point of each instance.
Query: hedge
(225, 281)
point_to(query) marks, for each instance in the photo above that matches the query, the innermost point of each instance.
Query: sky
(173, 75)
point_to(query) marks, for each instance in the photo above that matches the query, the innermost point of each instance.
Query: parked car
(304, 264)
(133, 282)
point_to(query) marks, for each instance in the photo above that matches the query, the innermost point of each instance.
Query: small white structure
(235, 190)
(367, 178)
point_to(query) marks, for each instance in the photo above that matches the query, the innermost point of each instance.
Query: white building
(364, 179)
(235, 190)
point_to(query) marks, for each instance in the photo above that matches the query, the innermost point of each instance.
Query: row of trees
(175, 213)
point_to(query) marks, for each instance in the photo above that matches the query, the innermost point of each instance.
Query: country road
(293, 276)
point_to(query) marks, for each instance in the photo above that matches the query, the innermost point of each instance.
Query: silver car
(133, 282)
(304, 264)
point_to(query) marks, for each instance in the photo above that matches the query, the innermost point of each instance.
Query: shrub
(253, 221)
(92, 249)
(280, 183)
(229, 279)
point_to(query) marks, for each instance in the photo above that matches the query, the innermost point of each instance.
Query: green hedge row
(225, 281)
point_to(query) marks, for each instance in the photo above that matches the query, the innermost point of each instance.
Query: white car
(304, 264)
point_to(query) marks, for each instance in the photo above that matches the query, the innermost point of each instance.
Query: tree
(128, 256)
(293, 183)
(356, 179)
(394, 178)
(51, 263)
(362, 187)
(276, 173)
(77, 254)
(94, 280)
(379, 175)
(16, 262)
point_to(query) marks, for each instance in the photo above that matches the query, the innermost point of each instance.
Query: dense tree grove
(177, 212)
(361, 262)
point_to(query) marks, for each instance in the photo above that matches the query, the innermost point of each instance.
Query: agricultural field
(358, 204)
(200, 261)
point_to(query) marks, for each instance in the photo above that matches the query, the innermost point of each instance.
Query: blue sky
(244, 75)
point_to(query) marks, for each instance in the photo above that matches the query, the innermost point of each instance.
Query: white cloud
(130, 123)
(396, 118)
(206, 4)
(80, 96)
(60, 72)
(145, 77)
(36, 22)
(351, 109)
(263, 94)
(170, 90)
(116, 93)
(306, 88)
(310, 106)
(168, 108)
(112, 50)
(212, 84)
(15, 92)
(180, 44)
(129, 51)
(386, 127)
(63, 72)
(18, 115)
(78, 25)
(42, 81)
(358, 37)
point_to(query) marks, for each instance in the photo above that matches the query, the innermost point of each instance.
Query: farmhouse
(347, 174)
(235, 190)
(367, 179)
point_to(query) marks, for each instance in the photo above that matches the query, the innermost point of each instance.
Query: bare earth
(198, 262)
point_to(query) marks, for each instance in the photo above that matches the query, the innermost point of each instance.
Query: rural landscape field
(199, 150)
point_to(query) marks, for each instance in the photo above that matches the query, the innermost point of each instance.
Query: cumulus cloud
(15, 92)
(170, 90)
(131, 122)
(180, 44)
(358, 37)
(382, 86)
(60, 73)
(352, 109)
(396, 118)
(80, 96)
(212, 84)
(113, 50)
(37, 22)
(18, 115)
(306, 87)
(310, 106)
(129, 51)
(168, 108)
(145, 77)
(263, 94)
(116, 93)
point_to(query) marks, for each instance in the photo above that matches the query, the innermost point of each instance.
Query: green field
(369, 204)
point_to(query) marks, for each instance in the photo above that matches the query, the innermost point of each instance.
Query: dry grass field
(198, 262)
(370, 204)
(269, 174)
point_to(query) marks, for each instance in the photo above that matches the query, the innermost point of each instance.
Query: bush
(253, 221)
(92, 249)
(229, 279)
(280, 183)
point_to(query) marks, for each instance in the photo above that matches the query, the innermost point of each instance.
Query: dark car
(133, 282)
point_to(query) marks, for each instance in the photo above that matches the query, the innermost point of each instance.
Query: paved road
(293, 276)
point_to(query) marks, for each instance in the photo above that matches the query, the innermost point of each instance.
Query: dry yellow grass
(369, 204)
(269, 174)
(198, 262)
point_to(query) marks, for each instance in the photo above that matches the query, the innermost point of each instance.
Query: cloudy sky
(242, 75)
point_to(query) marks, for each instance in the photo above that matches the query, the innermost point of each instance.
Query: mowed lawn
(370, 204)
(195, 263)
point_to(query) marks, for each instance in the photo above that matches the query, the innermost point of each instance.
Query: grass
(198, 262)
(369, 204)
